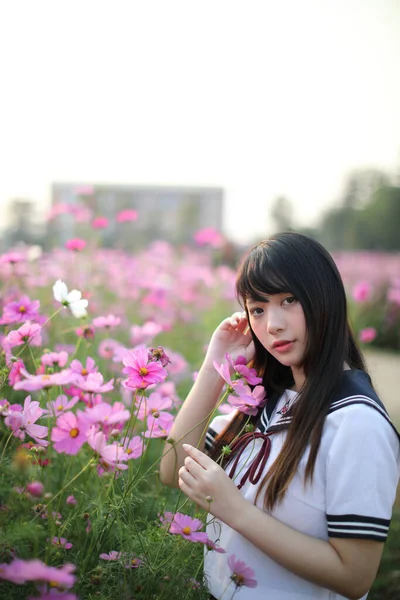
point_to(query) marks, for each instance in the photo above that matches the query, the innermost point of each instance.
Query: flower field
(99, 349)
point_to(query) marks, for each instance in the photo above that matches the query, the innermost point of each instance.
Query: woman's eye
(256, 311)
(290, 300)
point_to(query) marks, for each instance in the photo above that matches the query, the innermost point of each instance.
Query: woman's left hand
(207, 484)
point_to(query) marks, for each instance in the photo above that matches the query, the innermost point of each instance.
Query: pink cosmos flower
(15, 372)
(23, 421)
(133, 563)
(29, 333)
(61, 543)
(209, 237)
(35, 488)
(83, 371)
(53, 594)
(211, 546)
(100, 223)
(20, 571)
(134, 447)
(145, 333)
(188, 528)
(60, 405)
(94, 383)
(142, 373)
(367, 335)
(76, 244)
(241, 371)
(362, 291)
(126, 215)
(160, 355)
(4, 406)
(168, 390)
(153, 405)
(110, 455)
(166, 518)
(56, 515)
(12, 257)
(108, 347)
(106, 415)
(241, 573)
(247, 401)
(113, 555)
(71, 500)
(86, 332)
(178, 365)
(32, 383)
(69, 435)
(50, 359)
(159, 428)
(106, 322)
(20, 311)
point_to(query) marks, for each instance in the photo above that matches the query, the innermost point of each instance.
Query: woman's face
(280, 326)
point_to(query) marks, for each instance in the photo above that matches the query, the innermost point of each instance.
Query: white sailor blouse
(351, 494)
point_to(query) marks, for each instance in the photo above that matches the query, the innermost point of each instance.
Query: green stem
(229, 583)
(5, 446)
(91, 461)
(52, 316)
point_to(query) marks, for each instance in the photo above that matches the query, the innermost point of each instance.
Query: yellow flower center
(238, 579)
(45, 377)
(143, 371)
(128, 451)
(60, 407)
(74, 432)
(155, 413)
(84, 372)
(186, 530)
(22, 309)
(134, 561)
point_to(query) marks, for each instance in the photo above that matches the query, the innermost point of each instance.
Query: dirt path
(384, 369)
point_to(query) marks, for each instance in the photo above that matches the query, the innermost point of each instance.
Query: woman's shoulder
(355, 400)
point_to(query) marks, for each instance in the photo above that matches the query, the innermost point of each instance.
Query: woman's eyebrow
(253, 300)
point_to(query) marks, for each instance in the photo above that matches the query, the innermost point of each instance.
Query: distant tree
(378, 226)
(282, 214)
(351, 223)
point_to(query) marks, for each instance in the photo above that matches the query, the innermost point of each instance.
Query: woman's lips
(283, 346)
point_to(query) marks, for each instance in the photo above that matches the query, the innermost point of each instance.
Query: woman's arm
(345, 566)
(190, 425)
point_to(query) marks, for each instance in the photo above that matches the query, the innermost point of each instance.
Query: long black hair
(292, 262)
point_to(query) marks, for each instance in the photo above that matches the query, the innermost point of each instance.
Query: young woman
(305, 499)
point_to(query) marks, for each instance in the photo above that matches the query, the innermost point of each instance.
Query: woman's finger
(186, 476)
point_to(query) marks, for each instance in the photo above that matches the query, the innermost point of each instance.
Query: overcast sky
(261, 97)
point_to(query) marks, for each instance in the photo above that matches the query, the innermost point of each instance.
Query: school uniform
(351, 495)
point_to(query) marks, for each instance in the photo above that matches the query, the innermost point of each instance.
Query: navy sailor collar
(354, 388)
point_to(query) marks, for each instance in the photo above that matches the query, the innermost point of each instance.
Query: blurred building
(20, 224)
(172, 213)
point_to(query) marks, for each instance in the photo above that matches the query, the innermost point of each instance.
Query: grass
(387, 583)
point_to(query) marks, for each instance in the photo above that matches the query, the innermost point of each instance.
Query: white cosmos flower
(73, 299)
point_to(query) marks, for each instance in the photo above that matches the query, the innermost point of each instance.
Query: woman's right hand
(232, 336)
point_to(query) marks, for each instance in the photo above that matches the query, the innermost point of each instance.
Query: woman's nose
(275, 322)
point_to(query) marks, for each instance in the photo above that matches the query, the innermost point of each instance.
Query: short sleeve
(216, 426)
(362, 473)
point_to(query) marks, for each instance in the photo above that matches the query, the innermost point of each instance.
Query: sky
(262, 98)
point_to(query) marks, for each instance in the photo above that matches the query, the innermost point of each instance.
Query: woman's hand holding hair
(232, 336)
